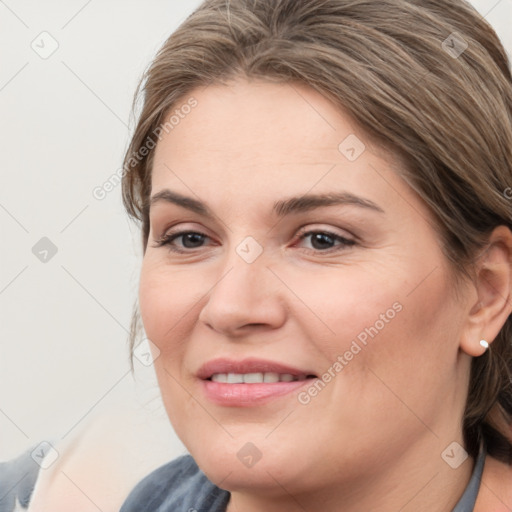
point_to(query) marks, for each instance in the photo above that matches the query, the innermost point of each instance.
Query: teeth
(251, 378)
(235, 378)
(271, 377)
(254, 378)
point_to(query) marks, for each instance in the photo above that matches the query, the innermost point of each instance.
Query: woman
(327, 272)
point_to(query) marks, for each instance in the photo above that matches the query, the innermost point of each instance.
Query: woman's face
(354, 291)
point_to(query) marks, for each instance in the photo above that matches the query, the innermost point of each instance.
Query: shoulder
(18, 478)
(105, 456)
(177, 485)
(495, 487)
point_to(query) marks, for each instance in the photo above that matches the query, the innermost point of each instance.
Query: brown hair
(428, 79)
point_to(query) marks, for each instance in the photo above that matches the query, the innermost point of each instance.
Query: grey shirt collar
(468, 499)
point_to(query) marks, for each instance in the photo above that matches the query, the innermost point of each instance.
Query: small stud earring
(484, 344)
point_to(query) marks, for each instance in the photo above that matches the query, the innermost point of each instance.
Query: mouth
(257, 377)
(251, 371)
(250, 382)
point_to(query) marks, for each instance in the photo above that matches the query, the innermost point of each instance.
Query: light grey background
(64, 126)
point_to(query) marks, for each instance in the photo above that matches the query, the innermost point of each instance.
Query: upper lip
(249, 365)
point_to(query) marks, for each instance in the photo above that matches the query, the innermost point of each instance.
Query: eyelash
(168, 238)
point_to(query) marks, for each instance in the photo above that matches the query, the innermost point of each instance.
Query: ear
(493, 285)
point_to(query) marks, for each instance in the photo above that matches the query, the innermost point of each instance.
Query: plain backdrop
(69, 262)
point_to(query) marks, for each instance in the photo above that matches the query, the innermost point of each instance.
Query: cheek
(379, 319)
(338, 305)
(164, 299)
(164, 304)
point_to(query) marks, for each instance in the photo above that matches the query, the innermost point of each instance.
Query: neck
(402, 484)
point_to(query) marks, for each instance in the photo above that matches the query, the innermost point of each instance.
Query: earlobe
(493, 283)
(473, 347)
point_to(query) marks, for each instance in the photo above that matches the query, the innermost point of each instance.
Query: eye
(190, 240)
(323, 241)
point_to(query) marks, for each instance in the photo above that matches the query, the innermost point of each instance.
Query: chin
(238, 465)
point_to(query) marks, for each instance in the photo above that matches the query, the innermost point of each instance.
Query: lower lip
(249, 395)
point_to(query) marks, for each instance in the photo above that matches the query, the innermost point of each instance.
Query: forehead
(256, 121)
(256, 139)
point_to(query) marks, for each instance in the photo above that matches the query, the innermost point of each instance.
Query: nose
(245, 297)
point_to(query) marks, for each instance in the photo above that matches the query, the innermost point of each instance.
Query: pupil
(321, 237)
(192, 237)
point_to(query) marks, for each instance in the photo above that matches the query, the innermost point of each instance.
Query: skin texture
(373, 437)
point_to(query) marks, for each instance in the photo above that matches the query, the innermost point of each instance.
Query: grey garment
(180, 486)
(468, 499)
(18, 478)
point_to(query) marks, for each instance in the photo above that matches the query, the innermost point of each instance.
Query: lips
(249, 365)
(250, 382)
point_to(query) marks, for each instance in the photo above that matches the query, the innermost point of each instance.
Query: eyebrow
(281, 208)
